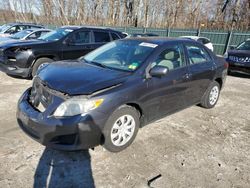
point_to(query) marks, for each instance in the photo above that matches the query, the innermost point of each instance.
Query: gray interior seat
(166, 62)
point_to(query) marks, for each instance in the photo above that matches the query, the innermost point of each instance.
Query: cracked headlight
(76, 106)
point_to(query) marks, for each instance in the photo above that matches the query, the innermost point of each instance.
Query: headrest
(169, 55)
(172, 55)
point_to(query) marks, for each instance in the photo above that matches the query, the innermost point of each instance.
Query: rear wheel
(38, 63)
(121, 128)
(211, 96)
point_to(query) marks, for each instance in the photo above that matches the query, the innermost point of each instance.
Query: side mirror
(68, 41)
(158, 71)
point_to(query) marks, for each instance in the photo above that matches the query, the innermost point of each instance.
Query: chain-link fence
(220, 39)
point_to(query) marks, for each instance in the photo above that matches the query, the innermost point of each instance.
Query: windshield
(21, 34)
(244, 45)
(55, 35)
(125, 55)
(4, 27)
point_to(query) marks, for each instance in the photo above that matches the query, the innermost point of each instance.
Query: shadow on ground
(64, 169)
(239, 74)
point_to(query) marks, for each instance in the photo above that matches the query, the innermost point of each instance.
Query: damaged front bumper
(66, 133)
(11, 69)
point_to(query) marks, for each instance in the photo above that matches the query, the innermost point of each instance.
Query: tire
(118, 143)
(38, 63)
(211, 96)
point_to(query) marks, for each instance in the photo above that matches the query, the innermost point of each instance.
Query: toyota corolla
(107, 95)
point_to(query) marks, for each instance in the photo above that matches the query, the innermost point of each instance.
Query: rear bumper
(71, 133)
(14, 70)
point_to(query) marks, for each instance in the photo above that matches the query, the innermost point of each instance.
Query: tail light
(226, 65)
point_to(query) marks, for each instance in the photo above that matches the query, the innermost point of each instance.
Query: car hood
(4, 39)
(78, 78)
(19, 43)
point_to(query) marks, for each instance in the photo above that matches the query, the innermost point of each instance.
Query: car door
(167, 92)
(201, 69)
(77, 44)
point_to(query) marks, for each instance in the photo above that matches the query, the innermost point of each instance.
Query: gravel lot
(193, 148)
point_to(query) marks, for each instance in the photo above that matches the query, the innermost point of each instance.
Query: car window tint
(200, 40)
(101, 36)
(34, 35)
(197, 54)
(81, 37)
(44, 32)
(172, 57)
(34, 27)
(205, 41)
(15, 29)
(115, 36)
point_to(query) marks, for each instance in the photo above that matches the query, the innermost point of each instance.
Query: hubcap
(122, 130)
(214, 94)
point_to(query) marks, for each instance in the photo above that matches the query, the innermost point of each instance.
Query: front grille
(239, 59)
(40, 98)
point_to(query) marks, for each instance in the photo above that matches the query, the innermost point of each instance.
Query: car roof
(20, 23)
(75, 27)
(157, 40)
(194, 37)
(41, 29)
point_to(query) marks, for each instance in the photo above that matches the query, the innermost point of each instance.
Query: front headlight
(76, 106)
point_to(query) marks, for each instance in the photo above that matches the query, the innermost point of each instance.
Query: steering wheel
(118, 57)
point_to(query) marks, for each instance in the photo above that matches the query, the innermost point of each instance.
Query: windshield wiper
(95, 63)
(99, 64)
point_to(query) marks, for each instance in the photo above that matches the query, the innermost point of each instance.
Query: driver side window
(172, 58)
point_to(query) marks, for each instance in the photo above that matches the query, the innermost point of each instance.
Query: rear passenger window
(81, 37)
(172, 58)
(197, 54)
(101, 36)
(115, 36)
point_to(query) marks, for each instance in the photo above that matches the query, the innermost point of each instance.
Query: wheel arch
(53, 57)
(220, 81)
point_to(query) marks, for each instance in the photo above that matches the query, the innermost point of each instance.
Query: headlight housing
(76, 106)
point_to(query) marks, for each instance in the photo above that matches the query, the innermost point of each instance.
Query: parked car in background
(202, 40)
(69, 42)
(107, 95)
(27, 34)
(143, 35)
(239, 57)
(12, 28)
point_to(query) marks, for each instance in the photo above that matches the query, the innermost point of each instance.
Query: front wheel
(211, 96)
(121, 128)
(38, 63)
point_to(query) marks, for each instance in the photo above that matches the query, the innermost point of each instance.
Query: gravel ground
(193, 148)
